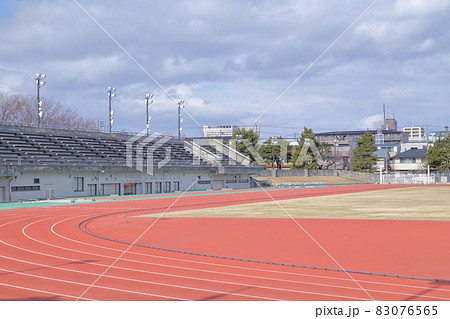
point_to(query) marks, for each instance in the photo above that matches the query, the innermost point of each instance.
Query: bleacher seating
(41, 149)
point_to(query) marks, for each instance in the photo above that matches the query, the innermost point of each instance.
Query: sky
(282, 65)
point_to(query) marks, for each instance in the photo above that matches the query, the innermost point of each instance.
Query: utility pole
(335, 159)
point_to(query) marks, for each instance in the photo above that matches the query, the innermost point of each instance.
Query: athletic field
(344, 243)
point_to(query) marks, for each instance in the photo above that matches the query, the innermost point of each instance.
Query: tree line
(312, 154)
(22, 109)
(309, 154)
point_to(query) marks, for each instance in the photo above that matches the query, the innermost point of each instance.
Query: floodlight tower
(111, 94)
(180, 120)
(148, 98)
(39, 83)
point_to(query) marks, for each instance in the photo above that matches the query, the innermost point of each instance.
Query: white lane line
(224, 265)
(196, 278)
(166, 274)
(41, 291)
(82, 284)
(127, 279)
(184, 277)
(218, 292)
(141, 235)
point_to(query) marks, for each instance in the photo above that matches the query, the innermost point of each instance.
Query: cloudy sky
(231, 61)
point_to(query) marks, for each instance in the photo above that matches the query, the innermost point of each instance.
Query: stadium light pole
(111, 94)
(148, 99)
(39, 83)
(180, 106)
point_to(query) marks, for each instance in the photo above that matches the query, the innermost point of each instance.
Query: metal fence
(432, 178)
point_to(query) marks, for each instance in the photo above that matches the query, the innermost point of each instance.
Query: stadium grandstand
(46, 163)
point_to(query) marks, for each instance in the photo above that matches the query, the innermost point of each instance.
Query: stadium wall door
(92, 189)
(50, 193)
(110, 189)
(217, 184)
(129, 188)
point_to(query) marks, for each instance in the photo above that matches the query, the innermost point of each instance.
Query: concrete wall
(60, 184)
(366, 177)
(56, 184)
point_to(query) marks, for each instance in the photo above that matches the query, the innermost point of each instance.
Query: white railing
(231, 152)
(409, 178)
(199, 152)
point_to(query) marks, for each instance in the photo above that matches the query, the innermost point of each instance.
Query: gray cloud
(229, 61)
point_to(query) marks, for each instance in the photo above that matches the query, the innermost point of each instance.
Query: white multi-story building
(226, 131)
(414, 132)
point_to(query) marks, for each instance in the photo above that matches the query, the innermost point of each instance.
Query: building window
(129, 188)
(79, 184)
(176, 186)
(407, 160)
(231, 181)
(204, 182)
(36, 180)
(158, 187)
(148, 188)
(25, 188)
(110, 189)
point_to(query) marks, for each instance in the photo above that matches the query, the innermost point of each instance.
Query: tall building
(226, 131)
(414, 131)
(389, 125)
(342, 143)
(440, 134)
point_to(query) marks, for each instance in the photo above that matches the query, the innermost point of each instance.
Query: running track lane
(44, 256)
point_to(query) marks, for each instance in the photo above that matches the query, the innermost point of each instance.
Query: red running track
(45, 256)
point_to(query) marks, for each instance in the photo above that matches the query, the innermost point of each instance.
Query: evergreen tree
(309, 156)
(242, 134)
(363, 157)
(438, 156)
(276, 145)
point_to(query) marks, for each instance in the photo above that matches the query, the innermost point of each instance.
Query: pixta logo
(141, 144)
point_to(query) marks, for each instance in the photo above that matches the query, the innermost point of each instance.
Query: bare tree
(19, 109)
(7, 107)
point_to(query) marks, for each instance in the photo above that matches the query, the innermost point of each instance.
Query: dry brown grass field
(415, 203)
(310, 179)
